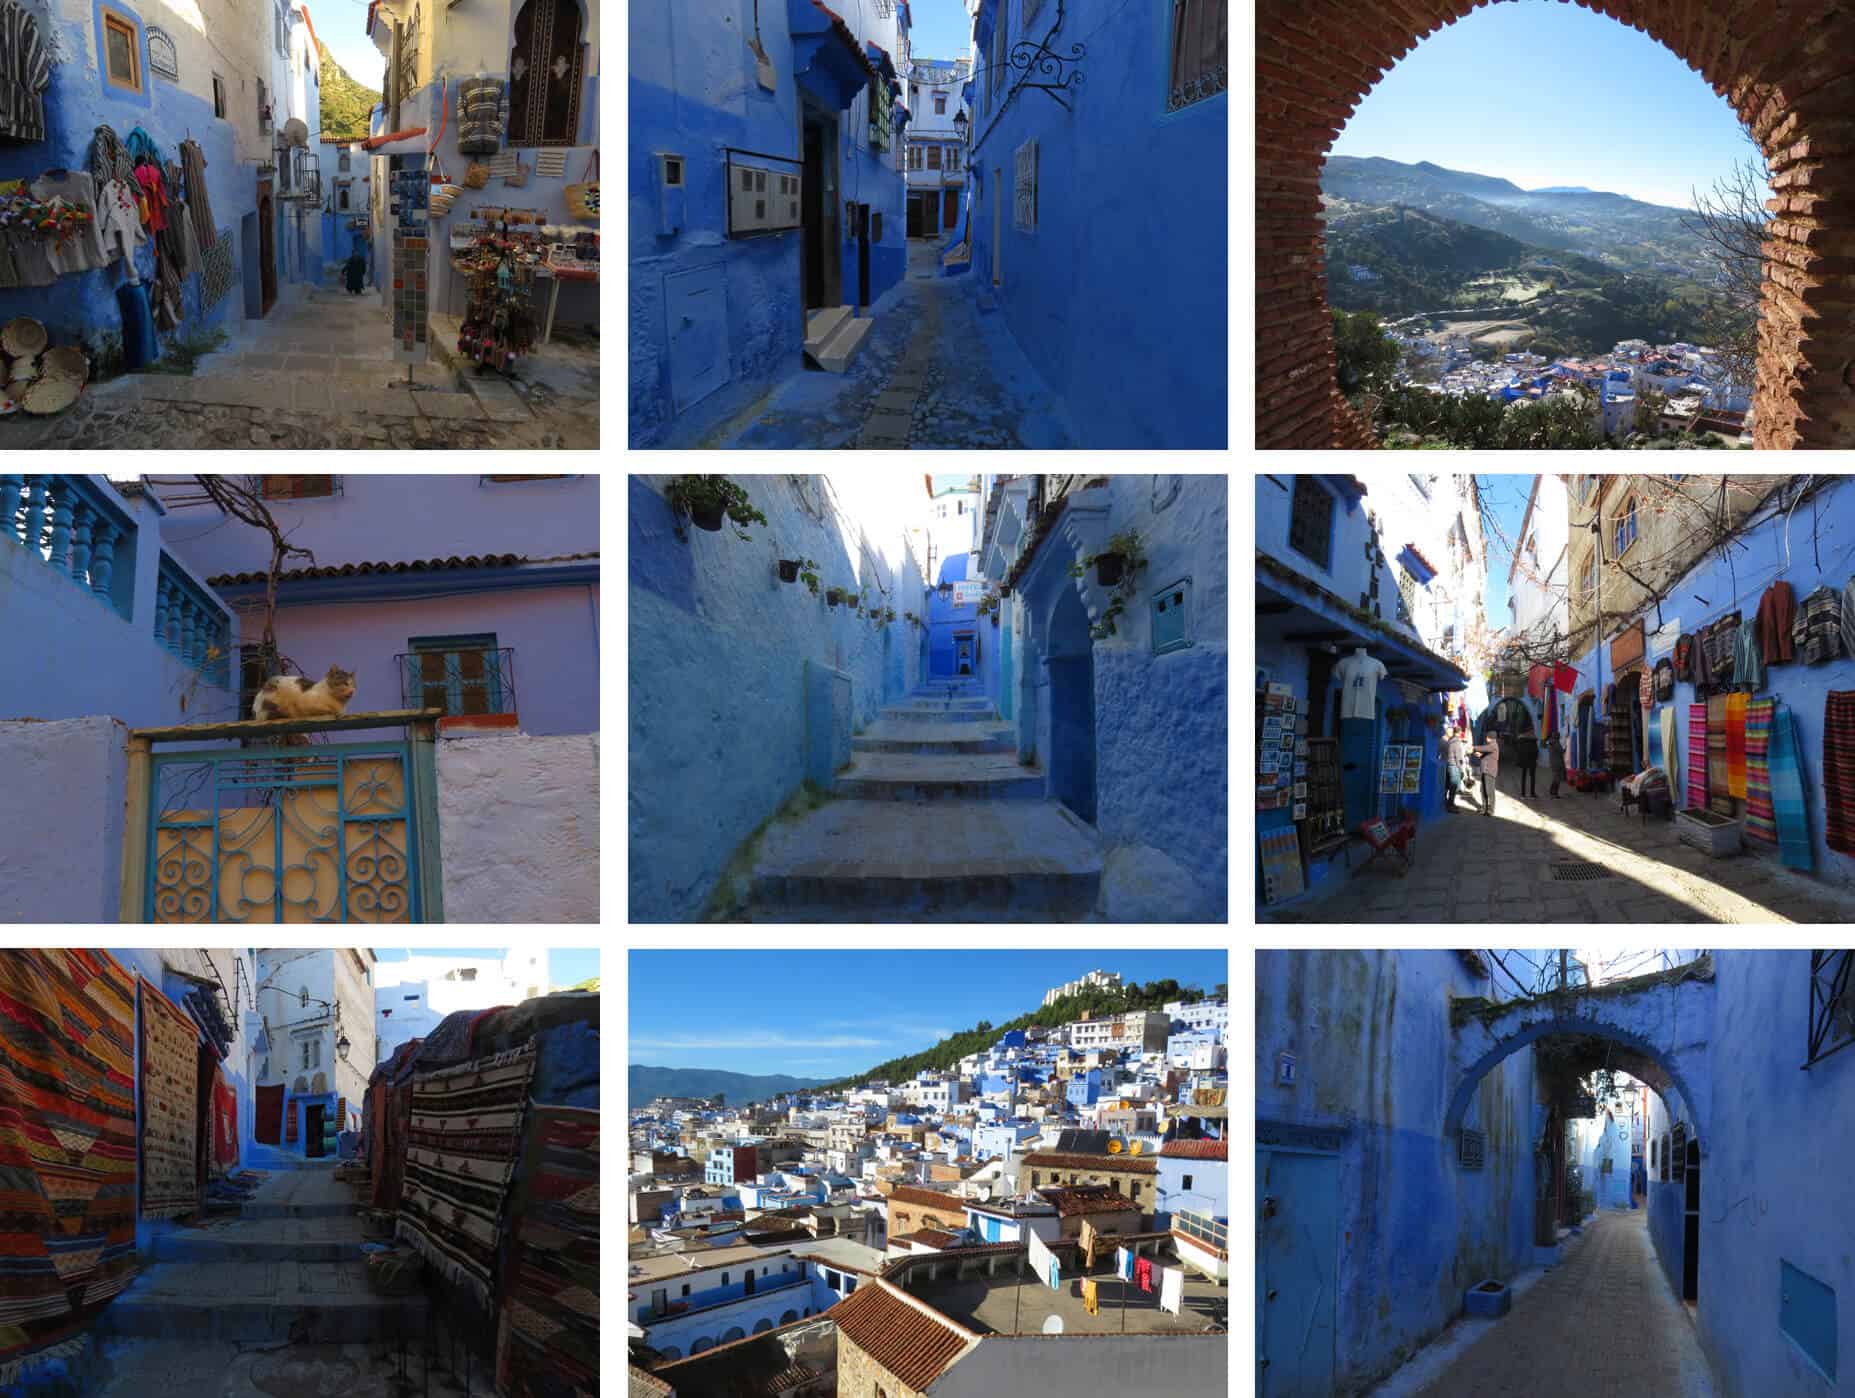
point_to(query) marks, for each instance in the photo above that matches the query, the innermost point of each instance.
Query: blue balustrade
(191, 624)
(77, 528)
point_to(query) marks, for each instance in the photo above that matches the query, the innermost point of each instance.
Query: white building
(1537, 572)
(1206, 1014)
(934, 153)
(1094, 980)
(1140, 1030)
(313, 1002)
(413, 996)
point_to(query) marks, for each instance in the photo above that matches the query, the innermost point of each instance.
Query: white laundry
(1172, 1289)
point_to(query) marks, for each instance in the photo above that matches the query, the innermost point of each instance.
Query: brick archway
(1787, 68)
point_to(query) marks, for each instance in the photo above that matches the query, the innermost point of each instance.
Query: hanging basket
(706, 517)
(1108, 568)
(788, 570)
(476, 176)
(583, 199)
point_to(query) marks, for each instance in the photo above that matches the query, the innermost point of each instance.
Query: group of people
(1485, 757)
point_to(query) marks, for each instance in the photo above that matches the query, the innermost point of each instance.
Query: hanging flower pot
(788, 570)
(1109, 567)
(833, 595)
(706, 517)
(850, 598)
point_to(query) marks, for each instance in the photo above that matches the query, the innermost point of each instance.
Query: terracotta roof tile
(927, 1198)
(1079, 1200)
(933, 1237)
(1109, 1164)
(1196, 1150)
(348, 570)
(911, 1344)
(842, 31)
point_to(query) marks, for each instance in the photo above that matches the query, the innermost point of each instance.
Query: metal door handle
(1271, 1294)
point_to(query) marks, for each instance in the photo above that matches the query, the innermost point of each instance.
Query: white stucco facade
(310, 999)
(412, 996)
(518, 824)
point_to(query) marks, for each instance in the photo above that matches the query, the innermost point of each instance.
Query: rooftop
(1196, 1150)
(901, 1335)
(1007, 1304)
(676, 1263)
(1076, 1201)
(927, 1198)
(1115, 1164)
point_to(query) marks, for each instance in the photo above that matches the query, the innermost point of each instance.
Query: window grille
(1407, 596)
(1310, 527)
(298, 487)
(1472, 1149)
(459, 674)
(1681, 1150)
(1832, 1004)
(1200, 51)
(1626, 526)
(1024, 189)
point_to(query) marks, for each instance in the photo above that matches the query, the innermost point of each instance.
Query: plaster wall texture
(1538, 591)
(693, 90)
(858, 1374)
(1774, 1178)
(1611, 1190)
(518, 828)
(1116, 179)
(285, 973)
(1056, 1366)
(1759, 558)
(1421, 517)
(66, 783)
(749, 1314)
(1371, 1037)
(716, 665)
(522, 975)
(101, 663)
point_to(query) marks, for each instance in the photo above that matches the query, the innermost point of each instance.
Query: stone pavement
(1603, 1321)
(1475, 868)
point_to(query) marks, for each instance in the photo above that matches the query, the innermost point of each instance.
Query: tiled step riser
(184, 1247)
(941, 715)
(868, 789)
(297, 1211)
(825, 897)
(962, 747)
(242, 1321)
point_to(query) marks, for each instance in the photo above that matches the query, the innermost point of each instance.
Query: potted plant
(1112, 562)
(833, 595)
(850, 599)
(809, 577)
(789, 568)
(705, 499)
(888, 614)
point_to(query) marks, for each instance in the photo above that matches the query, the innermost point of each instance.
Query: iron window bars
(460, 680)
(1200, 52)
(1832, 1004)
(1472, 1148)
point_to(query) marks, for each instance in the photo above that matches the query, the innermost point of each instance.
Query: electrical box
(672, 184)
(761, 199)
(1171, 614)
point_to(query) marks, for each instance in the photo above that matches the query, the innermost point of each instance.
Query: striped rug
(547, 1337)
(461, 1145)
(1761, 822)
(67, 1148)
(1787, 797)
(1716, 748)
(1736, 745)
(1839, 770)
(1697, 756)
(170, 1107)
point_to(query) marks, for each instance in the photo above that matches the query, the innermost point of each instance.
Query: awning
(827, 59)
(1311, 615)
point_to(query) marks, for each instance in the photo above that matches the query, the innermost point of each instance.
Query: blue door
(696, 305)
(1297, 1259)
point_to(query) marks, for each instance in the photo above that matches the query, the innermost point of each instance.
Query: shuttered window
(1200, 51)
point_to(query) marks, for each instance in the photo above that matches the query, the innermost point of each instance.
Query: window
(279, 24)
(545, 69)
(940, 104)
(995, 75)
(933, 157)
(1200, 51)
(218, 96)
(344, 162)
(296, 487)
(1407, 595)
(1832, 1004)
(1625, 534)
(1590, 576)
(342, 197)
(1024, 189)
(1310, 525)
(122, 48)
(953, 157)
(914, 156)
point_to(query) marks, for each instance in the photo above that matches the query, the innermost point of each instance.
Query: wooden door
(950, 208)
(267, 248)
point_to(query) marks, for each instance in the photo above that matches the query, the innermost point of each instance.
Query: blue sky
(1507, 495)
(938, 28)
(824, 1013)
(1542, 93)
(565, 965)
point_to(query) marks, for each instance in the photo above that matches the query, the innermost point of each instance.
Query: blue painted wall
(693, 91)
(1131, 230)
(1370, 1033)
(945, 620)
(716, 661)
(1759, 558)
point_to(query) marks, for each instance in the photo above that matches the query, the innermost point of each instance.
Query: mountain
(643, 1082)
(346, 105)
(1562, 189)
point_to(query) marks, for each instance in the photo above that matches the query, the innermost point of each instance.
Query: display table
(557, 275)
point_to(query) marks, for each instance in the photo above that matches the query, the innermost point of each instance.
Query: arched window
(545, 68)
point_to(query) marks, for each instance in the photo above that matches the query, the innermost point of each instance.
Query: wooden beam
(276, 727)
(135, 834)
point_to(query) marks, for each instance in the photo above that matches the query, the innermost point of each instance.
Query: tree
(720, 1099)
(1649, 405)
(1367, 358)
(984, 1026)
(1731, 222)
(1561, 422)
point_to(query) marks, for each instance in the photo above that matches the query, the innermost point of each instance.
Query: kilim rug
(461, 1146)
(67, 1147)
(170, 1109)
(547, 1336)
(1716, 746)
(1761, 821)
(1736, 745)
(1787, 793)
(1839, 770)
(267, 1115)
(1697, 756)
(1671, 752)
(225, 1122)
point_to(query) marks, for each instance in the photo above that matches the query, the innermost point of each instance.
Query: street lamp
(342, 1045)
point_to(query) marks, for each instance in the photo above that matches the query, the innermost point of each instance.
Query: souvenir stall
(506, 257)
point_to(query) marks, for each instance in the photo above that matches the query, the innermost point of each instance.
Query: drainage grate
(1574, 872)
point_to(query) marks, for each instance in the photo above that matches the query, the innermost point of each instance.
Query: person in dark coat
(1526, 754)
(355, 273)
(1555, 754)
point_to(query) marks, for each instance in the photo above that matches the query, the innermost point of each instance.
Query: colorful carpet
(1716, 746)
(1839, 770)
(1761, 821)
(461, 1147)
(1736, 745)
(225, 1122)
(1787, 794)
(547, 1336)
(170, 1110)
(1697, 756)
(67, 1146)
(267, 1115)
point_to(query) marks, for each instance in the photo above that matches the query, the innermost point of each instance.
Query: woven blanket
(67, 1146)
(267, 1115)
(1787, 793)
(1671, 751)
(389, 1178)
(225, 1122)
(1697, 756)
(170, 1107)
(1839, 770)
(461, 1146)
(547, 1335)
(1761, 822)
(1716, 745)
(1652, 734)
(1736, 745)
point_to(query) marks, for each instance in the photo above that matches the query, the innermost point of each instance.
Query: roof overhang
(1310, 615)
(366, 587)
(827, 60)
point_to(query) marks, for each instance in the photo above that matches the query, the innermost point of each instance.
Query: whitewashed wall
(518, 828)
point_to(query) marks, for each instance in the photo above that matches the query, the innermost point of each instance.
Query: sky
(1551, 94)
(823, 1014)
(1507, 497)
(565, 965)
(937, 28)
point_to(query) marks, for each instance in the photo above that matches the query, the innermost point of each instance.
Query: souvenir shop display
(479, 115)
(1275, 717)
(550, 164)
(1326, 801)
(497, 258)
(1281, 865)
(25, 73)
(583, 198)
(411, 246)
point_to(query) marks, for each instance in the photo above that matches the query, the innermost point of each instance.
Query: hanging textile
(1787, 798)
(1172, 1290)
(170, 1126)
(1848, 617)
(267, 1115)
(199, 203)
(67, 1098)
(1761, 822)
(1777, 610)
(1089, 1302)
(1748, 659)
(1536, 680)
(225, 1122)
(289, 1122)
(1664, 680)
(1684, 659)
(547, 1339)
(1645, 690)
(1143, 1274)
(1818, 628)
(108, 160)
(25, 73)
(1042, 1261)
(1654, 736)
(1839, 770)
(1697, 757)
(1716, 747)
(1736, 746)
(1124, 1264)
(1564, 678)
(1671, 752)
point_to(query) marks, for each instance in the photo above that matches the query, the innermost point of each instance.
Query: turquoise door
(1297, 1259)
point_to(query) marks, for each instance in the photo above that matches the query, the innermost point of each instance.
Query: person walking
(1489, 751)
(1555, 754)
(1455, 757)
(1526, 753)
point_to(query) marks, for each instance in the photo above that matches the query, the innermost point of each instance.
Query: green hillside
(643, 1082)
(346, 105)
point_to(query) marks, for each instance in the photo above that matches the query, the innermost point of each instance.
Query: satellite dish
(1114, 1148)
(1135, 1148)
(1053, 1325)
(296, 132)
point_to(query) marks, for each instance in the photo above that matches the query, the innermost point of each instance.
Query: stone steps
(266, 1300)
(941, 714)
(834, 335)
(960, 776)
(287, 1239)
(888, 735)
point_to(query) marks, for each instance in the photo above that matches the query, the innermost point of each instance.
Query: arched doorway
(1690, 1226)
(1072, 705)
(1784, 70)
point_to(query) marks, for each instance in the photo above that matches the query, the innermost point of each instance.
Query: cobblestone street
(319, 374)
(1603, 1321)
(1474, 868)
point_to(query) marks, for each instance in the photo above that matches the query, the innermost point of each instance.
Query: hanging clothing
(1761, 821)
(1172, 1290)
(82, 251)
(119, 224)
(1684, 659)
(1848, 617)
(25, 73)
(1777, 610)
(1089, 1302)
(1537, 676)
(108, 158)
(1736, 746)
(1664, 680)
(1143, 1274)
(1748, 658)
(154, 190)
(1701, 666)
(1564, 678)
(1818, 628)
(1787, 799)
(1359, 675)
(1716, 747)
(1671, 752)
(199, 202)
(1697, 757)
(1839, 770)
(1654, 737)
(1645, 689)
(1722, 640)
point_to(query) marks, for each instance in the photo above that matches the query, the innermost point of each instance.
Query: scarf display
(1839, 770)
(1671, 752)
(1761, 822)
(1736, 746)
(1697, 757)
(1652, 732)
(1787, 798)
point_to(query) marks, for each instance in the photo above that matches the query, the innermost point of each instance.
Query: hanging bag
(583, 198)
(476, 176)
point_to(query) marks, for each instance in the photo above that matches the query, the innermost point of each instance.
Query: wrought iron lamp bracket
(1045, 62)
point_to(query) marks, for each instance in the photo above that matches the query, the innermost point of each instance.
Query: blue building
(765, 192)
(1194, 1177)
(1099, 209)
(1083, 1089)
